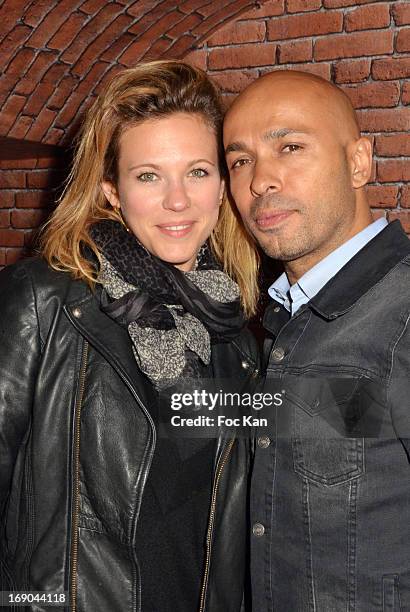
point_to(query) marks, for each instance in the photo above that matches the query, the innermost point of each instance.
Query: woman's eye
(147, 177)
(198, 173)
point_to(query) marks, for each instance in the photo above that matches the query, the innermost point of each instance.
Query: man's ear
(110, 193)
(221, 192)
(361, 158)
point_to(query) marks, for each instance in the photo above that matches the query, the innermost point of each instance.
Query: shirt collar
(314, 279)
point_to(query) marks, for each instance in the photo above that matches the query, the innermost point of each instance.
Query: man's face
(289, 172)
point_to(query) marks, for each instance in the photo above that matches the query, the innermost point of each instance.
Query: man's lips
(272, 218)
(176, 230)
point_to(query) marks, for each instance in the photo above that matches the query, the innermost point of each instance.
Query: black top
(173, 522)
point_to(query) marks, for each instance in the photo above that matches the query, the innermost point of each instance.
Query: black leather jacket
(76, 444)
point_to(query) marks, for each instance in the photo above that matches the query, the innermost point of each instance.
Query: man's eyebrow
(235, 146)
(274, 134)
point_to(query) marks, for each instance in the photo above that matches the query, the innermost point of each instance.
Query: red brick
(295, 51)
(12, 179)
(12, 42)
(69, 111)
(116, 48)
(403, 41)
(238, 32)
(21, 62)
(11, 238)
(242, 56)
(21, 127)
(386, 120)
(7, 85)
(91, 6)
(87, 85)
(38, 68)
(197, 58)
(67, 32)
(102, 42)
(53, 136)
(401, 13)
(271, 8)
(178, 48)
(382, 197)
(391, 68)
(393, 170)
(405, 96)
(13, 255)
(39, 98)
(41, 125)
(393, 145)
(37, 11)
(405, 196)
(403, 216)
(368, 17)
(39, 179)
(25, 219)
(2, 257)
(11, 12)
(65, 87)
(342, 3)
(368, 95)
(352, 71)
(142, 7)
(297, 26)
(18, 163)
(4, 218)
(49, 26)
(29, 199)
(107, 77)
(6, 199)
(355, 44)
(158, 48)
(143, 43)
(299, 6)
(378, 214)
(55, 73)
(321, 69)
(9, 112)
(186, 25)
(215, 21)
(46, 162)
(233, 81)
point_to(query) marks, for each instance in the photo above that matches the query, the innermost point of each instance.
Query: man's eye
(291, 148)
(240, 162)
(198, 173)
(147, 177)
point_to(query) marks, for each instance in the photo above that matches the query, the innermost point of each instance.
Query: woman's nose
(176, 198)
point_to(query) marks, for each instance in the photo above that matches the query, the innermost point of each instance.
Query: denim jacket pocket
(325, 447)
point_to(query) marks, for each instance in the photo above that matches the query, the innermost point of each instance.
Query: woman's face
(169, 186)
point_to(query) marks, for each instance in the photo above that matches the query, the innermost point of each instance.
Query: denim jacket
(330, 499)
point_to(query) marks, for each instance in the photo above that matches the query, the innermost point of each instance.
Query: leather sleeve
(20, 349)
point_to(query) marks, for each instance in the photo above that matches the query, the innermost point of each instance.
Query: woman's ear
(110, 193)
(361, 158)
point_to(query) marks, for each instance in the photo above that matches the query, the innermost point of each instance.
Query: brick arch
(56, 54)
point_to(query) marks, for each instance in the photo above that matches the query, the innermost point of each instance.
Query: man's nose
(176, 198)
(266, 177)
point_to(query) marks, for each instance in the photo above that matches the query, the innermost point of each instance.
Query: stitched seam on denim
(308, 543)
(389, 377)
(351, 546)
(299, 337)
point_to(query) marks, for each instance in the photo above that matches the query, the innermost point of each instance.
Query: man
(330, 499)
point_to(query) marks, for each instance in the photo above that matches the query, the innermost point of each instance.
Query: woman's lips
(176, 230)
(271, 219)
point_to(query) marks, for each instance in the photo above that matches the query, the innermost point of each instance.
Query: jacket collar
(362, 272)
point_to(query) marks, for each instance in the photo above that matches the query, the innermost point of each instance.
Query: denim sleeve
(398, 390)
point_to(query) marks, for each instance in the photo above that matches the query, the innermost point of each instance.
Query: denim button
(77, 313)
(278, 354)
(276, 309)
(258, 530)
(263, 442)
(245, 365)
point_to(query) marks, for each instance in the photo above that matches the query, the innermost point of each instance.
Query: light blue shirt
(293, 297)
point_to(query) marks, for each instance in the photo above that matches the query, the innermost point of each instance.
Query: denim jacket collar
(362, 272)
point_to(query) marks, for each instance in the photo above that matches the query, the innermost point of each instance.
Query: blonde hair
(147, 91)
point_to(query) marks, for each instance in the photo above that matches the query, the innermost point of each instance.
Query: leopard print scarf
(172, 317)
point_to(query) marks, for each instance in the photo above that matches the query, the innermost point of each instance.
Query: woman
(128, 298)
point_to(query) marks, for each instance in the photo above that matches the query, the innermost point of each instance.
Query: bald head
(297, 166)
(311, 91)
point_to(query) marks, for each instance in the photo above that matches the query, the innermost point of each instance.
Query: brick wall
(56, 54)
(363, 46)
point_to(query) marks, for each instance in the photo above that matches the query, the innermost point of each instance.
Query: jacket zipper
(76, 480)
(219, 471)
